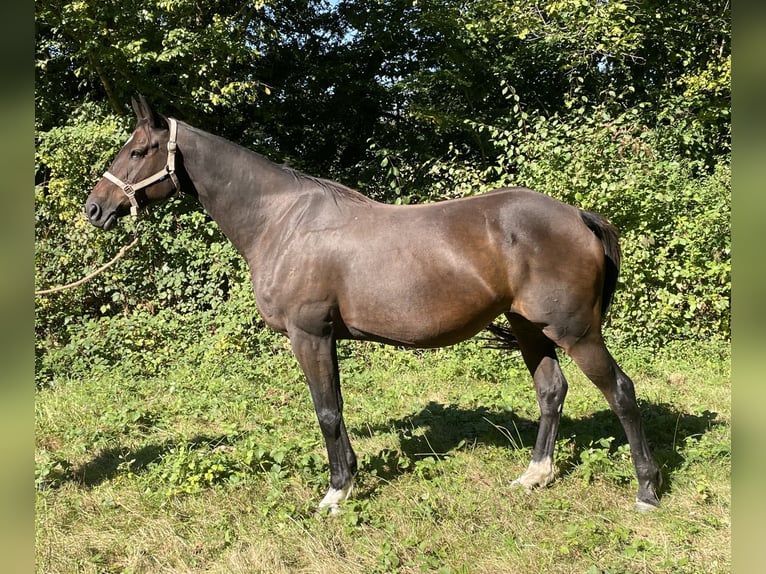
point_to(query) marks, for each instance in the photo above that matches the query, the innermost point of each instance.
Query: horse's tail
(502, 337)
(610, 238)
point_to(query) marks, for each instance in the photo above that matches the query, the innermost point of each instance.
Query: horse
(328, 264)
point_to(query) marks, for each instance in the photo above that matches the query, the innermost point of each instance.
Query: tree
(192, 58)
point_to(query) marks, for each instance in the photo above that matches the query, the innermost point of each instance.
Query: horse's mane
(337, 190)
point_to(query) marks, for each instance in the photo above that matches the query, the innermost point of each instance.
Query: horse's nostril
(93, 211)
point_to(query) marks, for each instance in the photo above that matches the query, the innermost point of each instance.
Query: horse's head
(142, 172)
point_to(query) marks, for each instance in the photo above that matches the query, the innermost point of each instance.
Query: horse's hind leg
(539, 354)
(592, 356)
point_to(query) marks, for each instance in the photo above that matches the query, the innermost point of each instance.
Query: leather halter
(169, 171)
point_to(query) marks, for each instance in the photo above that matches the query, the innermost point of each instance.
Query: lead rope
(90, 276)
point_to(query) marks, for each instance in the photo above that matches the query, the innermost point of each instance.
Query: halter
(130, 189)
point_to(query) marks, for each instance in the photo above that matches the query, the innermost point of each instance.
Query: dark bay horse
(327, 263)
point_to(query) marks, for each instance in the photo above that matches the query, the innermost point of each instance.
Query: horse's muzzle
(97, 217)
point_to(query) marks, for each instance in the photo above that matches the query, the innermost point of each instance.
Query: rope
(87, 278)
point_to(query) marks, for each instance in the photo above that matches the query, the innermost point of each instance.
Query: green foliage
(673, 208)
(601, 460)
(199, 54)
(50, 471)
(68, 159)
(187, 469)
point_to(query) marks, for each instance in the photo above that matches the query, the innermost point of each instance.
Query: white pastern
(335, 497)
(537, 474)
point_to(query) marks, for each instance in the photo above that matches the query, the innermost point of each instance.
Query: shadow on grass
(107, 463)
(438, 429)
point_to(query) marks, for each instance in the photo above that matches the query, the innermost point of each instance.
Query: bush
(673, 212)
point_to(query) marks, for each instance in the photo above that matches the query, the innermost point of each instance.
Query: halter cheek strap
(169, 171)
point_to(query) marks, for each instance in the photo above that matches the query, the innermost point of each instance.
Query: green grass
(212, 462)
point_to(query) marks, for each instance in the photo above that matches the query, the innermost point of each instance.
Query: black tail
(610, 238)
(502, 336)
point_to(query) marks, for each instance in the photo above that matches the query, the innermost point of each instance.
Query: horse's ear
(136, 108)
(144, 112)
(142, 109)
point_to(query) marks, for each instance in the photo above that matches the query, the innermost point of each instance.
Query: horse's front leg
(319, 360)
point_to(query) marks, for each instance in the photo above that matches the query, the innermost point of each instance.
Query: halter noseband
(130, 189)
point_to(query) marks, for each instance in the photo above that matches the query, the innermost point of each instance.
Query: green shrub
(673, 210)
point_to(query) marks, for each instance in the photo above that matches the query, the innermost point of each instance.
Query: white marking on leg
(335, 496)
(537, 474)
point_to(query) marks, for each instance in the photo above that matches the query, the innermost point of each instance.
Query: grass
(213, 462)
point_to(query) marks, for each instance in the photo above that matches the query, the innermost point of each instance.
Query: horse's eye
(136, 153)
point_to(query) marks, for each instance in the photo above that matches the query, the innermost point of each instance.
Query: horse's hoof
(334, 497)
(519, 485)
(329, 509)
(538, 474)
(647, 499)
(644, 506)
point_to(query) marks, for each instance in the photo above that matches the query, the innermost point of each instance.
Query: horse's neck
(241, 190)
